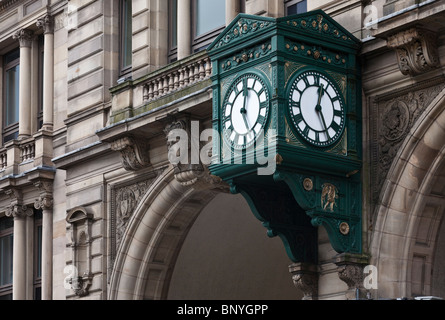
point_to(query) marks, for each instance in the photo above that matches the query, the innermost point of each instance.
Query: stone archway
(154, 237)
(411, 208)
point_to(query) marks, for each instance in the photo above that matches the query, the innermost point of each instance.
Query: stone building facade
(92, 208)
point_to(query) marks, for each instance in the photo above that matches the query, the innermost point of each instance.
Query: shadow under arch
(405, 193)
(153, 238)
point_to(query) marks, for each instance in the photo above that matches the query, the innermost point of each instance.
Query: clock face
(245, 110)
(317, 108)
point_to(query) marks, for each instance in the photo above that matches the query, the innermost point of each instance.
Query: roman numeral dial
(245, 110)
(316, 108)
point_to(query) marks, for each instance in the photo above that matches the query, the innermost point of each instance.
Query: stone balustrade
(177, 77)
(160, 87)
(27, 151)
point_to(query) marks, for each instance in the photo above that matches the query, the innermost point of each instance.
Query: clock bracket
(293, 205)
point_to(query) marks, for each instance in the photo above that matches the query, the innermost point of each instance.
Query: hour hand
(320, 94)
(244, 114)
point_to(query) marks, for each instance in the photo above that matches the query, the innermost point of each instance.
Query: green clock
(316, 108)
(245, 110)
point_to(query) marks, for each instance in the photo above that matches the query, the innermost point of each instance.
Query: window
(11, 66)
(209, 19)
(6, 250)
(126, 35)
(295, 7)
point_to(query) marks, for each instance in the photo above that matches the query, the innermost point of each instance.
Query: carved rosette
(134, 152)
(416, 50)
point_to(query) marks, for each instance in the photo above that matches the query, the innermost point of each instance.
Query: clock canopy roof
(313, 24)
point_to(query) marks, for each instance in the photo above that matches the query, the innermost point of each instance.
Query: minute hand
(319, 109)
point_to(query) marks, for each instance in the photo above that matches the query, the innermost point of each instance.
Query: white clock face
(245, 110)
(317, 108)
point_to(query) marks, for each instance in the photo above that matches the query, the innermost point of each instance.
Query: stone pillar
(184, 29)
(45, 202)
(25, 38)
(47, 24)
(305, 278)
(19, 261)
(233, 8)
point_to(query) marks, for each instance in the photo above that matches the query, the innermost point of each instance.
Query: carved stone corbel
(134, 152)
(305, 278)
(350, 270)
(189, 174)
(416, 50)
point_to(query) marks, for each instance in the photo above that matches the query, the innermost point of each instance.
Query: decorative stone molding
(81, 277)
(25, 37)
(134, 152)
(305, 278)
(416, 50)
(46, 23)
(17, 209)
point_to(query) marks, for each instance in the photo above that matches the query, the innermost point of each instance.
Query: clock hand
(324, 124)
(243, 109)
(320, 94)
(319, 109)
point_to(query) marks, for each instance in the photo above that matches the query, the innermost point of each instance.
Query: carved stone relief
(392, 117)
(124, 200)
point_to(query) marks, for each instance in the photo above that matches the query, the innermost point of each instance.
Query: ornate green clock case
(290, 88)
